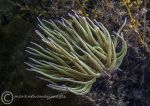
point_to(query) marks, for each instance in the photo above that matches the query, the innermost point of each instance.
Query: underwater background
(128, 86)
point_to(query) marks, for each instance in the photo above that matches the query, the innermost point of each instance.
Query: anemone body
(76, 52)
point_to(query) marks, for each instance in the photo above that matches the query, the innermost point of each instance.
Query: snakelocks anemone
(75, 51)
